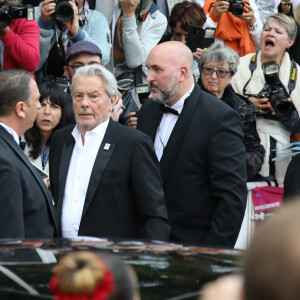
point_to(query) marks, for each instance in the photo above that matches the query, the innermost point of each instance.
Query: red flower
(105, 288)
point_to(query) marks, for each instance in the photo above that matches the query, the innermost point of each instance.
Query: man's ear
(114, 100)
(20, 109)
(183, 73)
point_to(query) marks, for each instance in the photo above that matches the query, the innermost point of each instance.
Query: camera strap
(292, 79)
(252, 67)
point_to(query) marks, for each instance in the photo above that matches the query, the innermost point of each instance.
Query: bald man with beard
(199, 142)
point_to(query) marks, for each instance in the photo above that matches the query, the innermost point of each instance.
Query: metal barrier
(250, 218)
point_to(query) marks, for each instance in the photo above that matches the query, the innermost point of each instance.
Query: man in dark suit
(292, 180)
(105, 178)
(26, 205)
(200, 148)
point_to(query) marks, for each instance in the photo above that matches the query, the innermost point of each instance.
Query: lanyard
(292, 79)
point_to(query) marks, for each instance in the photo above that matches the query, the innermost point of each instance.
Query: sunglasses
(220, 73)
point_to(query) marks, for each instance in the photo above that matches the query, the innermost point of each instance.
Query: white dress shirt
(167, 124)
(12, 132)
(78, 178)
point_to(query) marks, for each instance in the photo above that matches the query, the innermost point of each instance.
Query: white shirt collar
(12, 132)
(97, 130)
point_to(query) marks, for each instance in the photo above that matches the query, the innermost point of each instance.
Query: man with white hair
(105, 177)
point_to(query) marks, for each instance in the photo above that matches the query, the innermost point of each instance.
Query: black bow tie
(22, 145)
(167, 109)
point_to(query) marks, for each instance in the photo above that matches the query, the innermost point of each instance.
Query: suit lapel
(17, 149)
(149, 122)
(105, 152)
(177, 136)
(66, 154)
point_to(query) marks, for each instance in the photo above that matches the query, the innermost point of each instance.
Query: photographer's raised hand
(128, 7)
(220, 7)
(4, 31)
(197, 54)
(117, 108)
(73, 24)
(248, 15)
(48, 9)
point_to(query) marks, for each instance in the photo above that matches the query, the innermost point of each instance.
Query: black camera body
(275, 91)
(64, 10)
(142, 91)
(236, 7)
(15, 12)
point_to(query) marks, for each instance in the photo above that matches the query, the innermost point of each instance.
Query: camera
(275, 91)
(15, 12)
(64, 10)
(236, 7)
(143, 92)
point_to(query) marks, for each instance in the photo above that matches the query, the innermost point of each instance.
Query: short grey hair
(285, 21)
(14, 87)
(98, 70)
(221, 55)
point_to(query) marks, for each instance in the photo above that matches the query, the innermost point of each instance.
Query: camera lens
(5, 19)
(237, 9)
(281, 105)
(64, 11)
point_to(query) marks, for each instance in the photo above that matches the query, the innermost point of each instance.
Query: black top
(249, 114)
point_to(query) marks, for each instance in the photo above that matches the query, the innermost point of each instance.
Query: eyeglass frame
(75, 67)
(217, 71)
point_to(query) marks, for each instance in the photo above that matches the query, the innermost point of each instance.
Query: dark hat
(82, 47)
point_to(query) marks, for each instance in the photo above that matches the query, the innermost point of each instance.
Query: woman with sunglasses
(217, 65)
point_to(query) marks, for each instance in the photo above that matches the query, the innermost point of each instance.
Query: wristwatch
(253, 26)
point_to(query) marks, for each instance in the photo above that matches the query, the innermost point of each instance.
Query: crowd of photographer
(62, 24)
(260, 80)
(209, 117)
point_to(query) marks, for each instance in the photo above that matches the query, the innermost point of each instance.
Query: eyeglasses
(220, 73)
(77, 66)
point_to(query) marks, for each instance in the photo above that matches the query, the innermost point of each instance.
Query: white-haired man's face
(91, 103)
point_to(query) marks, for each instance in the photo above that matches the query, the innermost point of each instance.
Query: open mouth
(269, 44)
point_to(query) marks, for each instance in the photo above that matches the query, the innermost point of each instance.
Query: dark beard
(165, 96)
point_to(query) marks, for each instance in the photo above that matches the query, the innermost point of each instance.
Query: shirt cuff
(213, 16)
(78, 37)
(43, 24)
(129, 22)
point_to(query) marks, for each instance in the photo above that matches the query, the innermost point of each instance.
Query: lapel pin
(106, 146)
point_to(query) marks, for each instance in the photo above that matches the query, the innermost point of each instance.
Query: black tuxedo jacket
(292, 180)
(203, 169)
(125, 197)
(26, 206)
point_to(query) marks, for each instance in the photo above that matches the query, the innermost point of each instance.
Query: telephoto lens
(64, 10)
